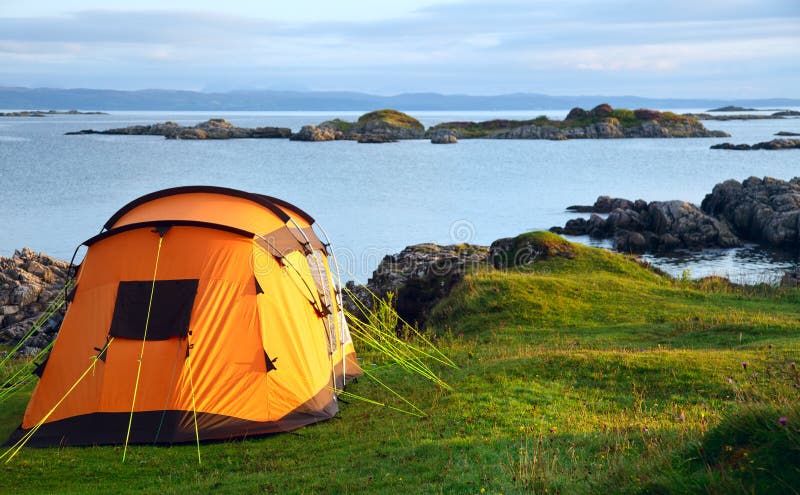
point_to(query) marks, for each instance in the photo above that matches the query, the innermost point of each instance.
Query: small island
(380, 126)
(388, 125)
(601, 122)
(775, 144)
(45, 113)
(210, 129)
(732, 108)
(741, 116)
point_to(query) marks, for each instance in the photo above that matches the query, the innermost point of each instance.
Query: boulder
(314, 133)
(602, 110)
(419, 276)
(443, 137)
(762, 210)
(626, 241)
(637, 226)
(577, 113)
(689, 225)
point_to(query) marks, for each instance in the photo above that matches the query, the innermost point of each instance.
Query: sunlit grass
(584, 375)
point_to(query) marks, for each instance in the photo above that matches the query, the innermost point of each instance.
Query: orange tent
(198, 313)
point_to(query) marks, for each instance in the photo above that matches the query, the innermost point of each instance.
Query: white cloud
(474, 47)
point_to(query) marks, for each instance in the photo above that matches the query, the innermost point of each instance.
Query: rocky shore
(386, 126)
(419, 276)
(28, 283)
(210, 129)
(775, 144)
(764, 210)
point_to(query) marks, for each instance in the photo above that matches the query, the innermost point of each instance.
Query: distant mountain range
(12, 98)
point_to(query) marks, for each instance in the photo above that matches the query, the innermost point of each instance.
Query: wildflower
(682, 417)
(483, 490)
(646, 429)
(782, 420)
(552, 429)
(744, 364)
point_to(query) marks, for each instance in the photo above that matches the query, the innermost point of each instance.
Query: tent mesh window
(170, 311)
(318, 273)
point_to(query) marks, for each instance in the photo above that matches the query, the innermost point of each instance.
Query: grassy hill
(582, 375)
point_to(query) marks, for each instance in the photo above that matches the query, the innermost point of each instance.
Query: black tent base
(161, 428)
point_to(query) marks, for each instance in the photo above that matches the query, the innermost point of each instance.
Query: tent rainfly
(198, 313)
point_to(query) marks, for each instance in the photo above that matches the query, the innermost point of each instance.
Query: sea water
(375, 199)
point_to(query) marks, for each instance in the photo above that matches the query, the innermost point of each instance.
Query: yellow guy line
(14, 449)
(141, 353)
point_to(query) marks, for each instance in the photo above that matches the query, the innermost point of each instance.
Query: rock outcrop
(210, 129)
(659, 226)
(28, 282)
(443, 137)
(420, 276)
(762, 210)
(765, 211)
(314, 133)
(775, 144)
(602, 122)
(787, 133)
(380, 126)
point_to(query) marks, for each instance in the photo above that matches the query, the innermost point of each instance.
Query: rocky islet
(210, 129)
(775, 144)
(383, 126)
(763, 210)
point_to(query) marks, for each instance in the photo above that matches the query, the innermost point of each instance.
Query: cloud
(472, 46)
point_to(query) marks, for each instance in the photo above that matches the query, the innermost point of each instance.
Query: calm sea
(373, 199)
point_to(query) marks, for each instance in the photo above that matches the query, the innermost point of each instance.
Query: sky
(654, 48)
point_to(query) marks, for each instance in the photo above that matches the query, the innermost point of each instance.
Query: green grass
(392, 117)
(585, 375)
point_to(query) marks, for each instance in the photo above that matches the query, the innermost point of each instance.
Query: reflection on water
(750, 264)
